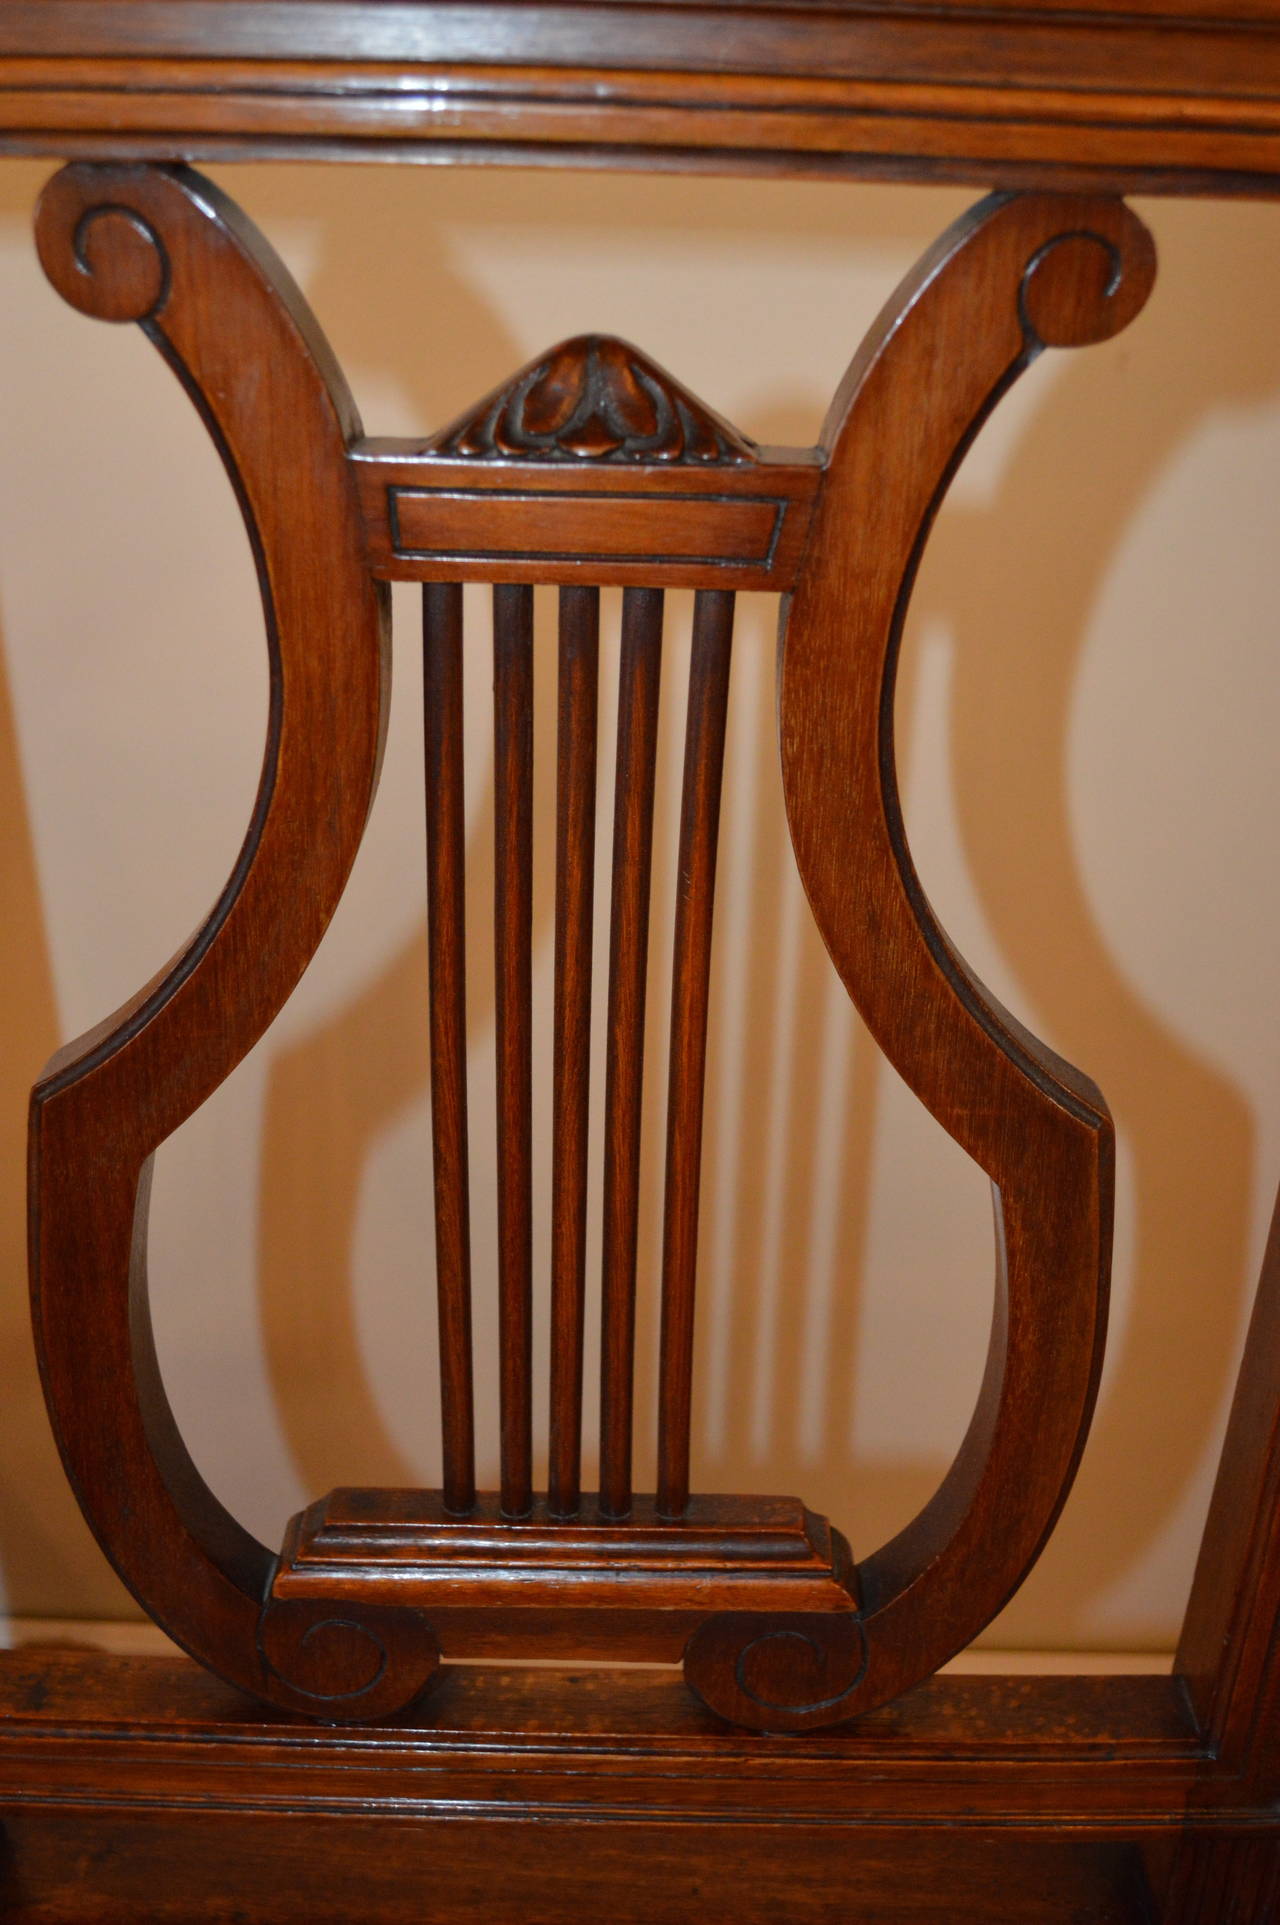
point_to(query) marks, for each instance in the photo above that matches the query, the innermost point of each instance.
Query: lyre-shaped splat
(592, 468)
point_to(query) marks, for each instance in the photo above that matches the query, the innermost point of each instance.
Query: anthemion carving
(594, 398)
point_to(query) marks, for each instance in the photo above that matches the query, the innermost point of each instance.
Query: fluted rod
(628, 946)
(446, 944)
(513, 978)
(575, 875)
(690, 985)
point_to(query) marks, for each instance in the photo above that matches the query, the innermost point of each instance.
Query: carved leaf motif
(594, 398)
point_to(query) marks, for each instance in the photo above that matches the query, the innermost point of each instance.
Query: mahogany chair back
(591, 469)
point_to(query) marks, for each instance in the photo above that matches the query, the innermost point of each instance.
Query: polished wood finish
(446, 945)
(594, 398)
(782, 1642)
(1011, 278)
(690, 998)
(639, 675)
(134, 1785)
(435, 517)
(168, 251)
(130, 1789)
(648, 1873)
(1110, 95)
(513, 976)
(579, 670)
(636, 1588)
(1110, 1756)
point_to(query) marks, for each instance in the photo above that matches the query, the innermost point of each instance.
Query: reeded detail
(594, 398)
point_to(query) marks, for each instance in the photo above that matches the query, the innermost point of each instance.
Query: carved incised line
(441, 525)
(137, 274)
(594, 398)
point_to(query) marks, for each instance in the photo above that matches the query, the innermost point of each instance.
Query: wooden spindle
(446, 942)
(575, 877)
(690, 983)
(513, 979)
(628, 946)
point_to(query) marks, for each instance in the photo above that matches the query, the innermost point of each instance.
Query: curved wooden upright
(165, 249)
(1011, 278)
(592, 468)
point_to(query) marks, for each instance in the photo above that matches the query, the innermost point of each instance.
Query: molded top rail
(1158, 96)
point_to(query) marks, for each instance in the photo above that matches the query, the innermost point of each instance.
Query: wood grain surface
(128, 1791)
(166, 250)
(1012, 277)
(1152, 95)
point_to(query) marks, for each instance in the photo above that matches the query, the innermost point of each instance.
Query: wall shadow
(47, 1555)
(332, 1094)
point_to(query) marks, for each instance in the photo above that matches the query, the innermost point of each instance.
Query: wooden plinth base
(539, 1587)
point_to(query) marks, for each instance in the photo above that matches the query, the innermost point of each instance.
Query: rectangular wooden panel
(627, 523)
(440, 527)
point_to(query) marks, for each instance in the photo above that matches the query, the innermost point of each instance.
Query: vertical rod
(628, 946)
(690, 984)
(446, 943)
(575, 878)
(513, 978)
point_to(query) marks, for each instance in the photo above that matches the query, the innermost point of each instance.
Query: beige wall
(1088, 708)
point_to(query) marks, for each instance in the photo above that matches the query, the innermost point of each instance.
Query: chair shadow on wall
(46, 1552)
(348, 1081)
(331, 1095)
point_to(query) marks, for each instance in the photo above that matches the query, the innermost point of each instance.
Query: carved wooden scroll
(592, 467)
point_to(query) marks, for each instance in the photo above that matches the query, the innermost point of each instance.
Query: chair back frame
(591, 469)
